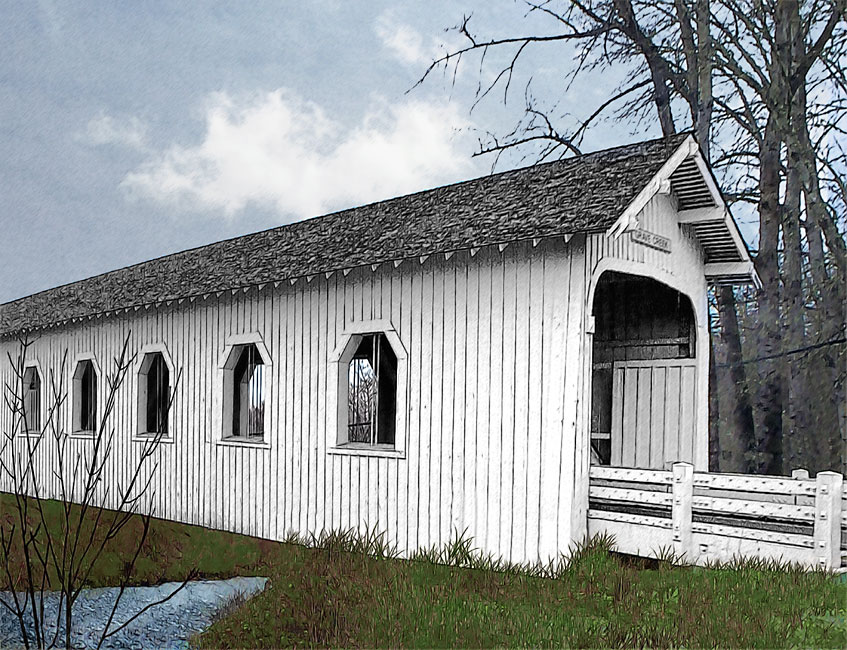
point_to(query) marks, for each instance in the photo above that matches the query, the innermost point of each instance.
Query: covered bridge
(452, 360)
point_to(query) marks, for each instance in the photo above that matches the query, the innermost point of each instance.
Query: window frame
(223, 402)
(139, 434)
(42, 412)
(337, 441)
(74, 389)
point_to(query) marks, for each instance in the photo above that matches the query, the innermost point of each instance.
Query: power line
(807, 348)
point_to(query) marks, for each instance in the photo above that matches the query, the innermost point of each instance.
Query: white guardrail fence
(705, 517)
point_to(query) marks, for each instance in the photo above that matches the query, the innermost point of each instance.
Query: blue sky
(131, 130)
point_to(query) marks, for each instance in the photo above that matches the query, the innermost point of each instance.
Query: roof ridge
(500, 174)
(576, 194)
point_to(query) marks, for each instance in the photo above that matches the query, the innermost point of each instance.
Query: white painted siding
(681, 269)
(493, 346)
(499, 366)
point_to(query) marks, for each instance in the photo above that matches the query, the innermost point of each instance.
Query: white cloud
(404, 42)
(105, 129)
(408, 46)
(278, 151)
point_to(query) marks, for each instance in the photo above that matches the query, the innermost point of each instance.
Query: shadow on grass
(168, 554)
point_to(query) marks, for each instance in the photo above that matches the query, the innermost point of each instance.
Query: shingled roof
(581, 194)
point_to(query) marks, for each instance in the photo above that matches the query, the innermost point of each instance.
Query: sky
(131, 130)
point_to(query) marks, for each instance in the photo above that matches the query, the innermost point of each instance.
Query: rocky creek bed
(168, 625)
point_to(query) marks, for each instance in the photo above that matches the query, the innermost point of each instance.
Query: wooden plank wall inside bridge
(653, 404)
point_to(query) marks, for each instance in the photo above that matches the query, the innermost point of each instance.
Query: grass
(170, 551)
(345, 589)
(331, 597)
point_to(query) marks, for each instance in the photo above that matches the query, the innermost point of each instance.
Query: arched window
(85, 397)
(245, 393)
(154, 394)
(372, 391)
(368, 391)
(32, 399)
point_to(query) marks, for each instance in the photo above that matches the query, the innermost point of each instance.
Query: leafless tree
(37, 462)
(762, 85)
(361, 400)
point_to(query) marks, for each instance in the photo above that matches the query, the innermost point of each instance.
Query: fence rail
(706, 517)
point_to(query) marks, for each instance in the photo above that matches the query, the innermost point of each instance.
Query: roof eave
(722, 274)
(660, 183)
(727, 256)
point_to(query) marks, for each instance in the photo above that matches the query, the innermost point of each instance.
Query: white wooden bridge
(704, 517)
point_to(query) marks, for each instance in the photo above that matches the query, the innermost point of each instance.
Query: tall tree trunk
(701, 104)
(705, 64)
(714, 408)
(766, 454)
(800, 446)
(657, 65)
(811, 378)
(826, 365)
(742, 410)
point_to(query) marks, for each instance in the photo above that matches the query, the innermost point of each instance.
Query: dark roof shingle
(581, 194)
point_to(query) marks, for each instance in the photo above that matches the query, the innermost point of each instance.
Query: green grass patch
(345, 589)
(332, 597)
(169, 553)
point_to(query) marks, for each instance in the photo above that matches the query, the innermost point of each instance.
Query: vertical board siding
(683, 269)
(493, 433)
(573, 446)
(490, 339)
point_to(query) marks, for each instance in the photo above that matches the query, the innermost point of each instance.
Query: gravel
(168, 625)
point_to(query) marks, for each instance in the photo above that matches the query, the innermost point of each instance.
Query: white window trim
(235, 441)
(220, 401)
(145, 436)
(336, 435)
(36, 433)
(72, 389)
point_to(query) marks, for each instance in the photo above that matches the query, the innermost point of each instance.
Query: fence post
(683, 490)
(800, 475)
(828, 519)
